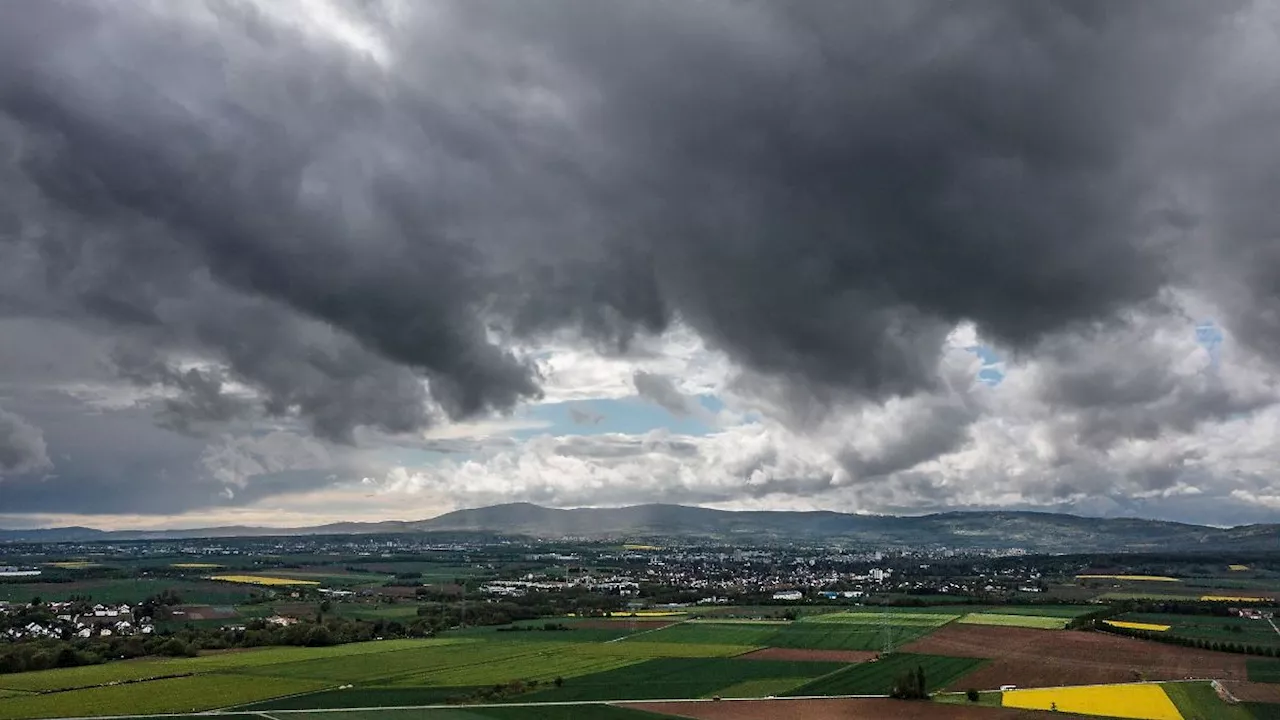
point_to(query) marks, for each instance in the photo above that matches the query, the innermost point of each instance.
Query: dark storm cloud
(819, 188)
(22, 447)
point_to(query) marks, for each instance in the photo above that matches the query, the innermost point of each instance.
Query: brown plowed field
(860, 709)
(1254, 692)
(849, 656)
(1048, 658)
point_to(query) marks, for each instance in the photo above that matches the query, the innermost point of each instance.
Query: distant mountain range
(1036, 532)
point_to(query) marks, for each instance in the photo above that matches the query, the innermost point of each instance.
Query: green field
(715, 634)
(678, 678)
(925, 619)
(846, 636)
(1056, 611)
(186, 694)
(240, 661)
(1212, 628)
(1264, 711)
(132, 591)
(560, 712)
(1267, 671)
(1199, 701)
(1025, 621)
(876, 678)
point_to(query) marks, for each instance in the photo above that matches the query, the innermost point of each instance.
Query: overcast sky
(286, 262)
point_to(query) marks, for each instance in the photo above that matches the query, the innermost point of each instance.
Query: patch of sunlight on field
(1233, 598)
(1238, 568)
(1141, 702)
(1146, 578)
(262, 580)
(1154, 627)
(73, 564)
(196, 566)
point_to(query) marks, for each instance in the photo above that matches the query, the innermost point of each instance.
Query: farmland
(1144, 702)
(1025, 621)
(1040, 658)
(877, 678)
(681, 678)
(185, 694)
(131, 590)
(263, 580)
(1199, 701)
(1267, 671)
(1210, 627)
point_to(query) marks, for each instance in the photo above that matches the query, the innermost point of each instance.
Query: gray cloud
(660, 390)
(22, 447)
(262, 221)
(827, 189)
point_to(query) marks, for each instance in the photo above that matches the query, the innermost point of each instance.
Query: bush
(972, 694)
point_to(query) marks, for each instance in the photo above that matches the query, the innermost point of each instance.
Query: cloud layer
(297, 236)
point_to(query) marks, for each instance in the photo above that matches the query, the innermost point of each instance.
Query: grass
(1023, 621)
(245, 661)
(1266, 671)
(678, 678)
(845, 636)
(537, 634)
(561, 712)
(543, 665)
(131, 590)
(1199, 701)
(876, 678)
(714, 634)
(1057, 611)
(763, 687)
(1209, 627)
(925, 619)
(1264, 711)
(187, 694)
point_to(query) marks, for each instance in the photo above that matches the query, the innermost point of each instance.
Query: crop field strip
(876, 678)
(665, 678)
(1025, 621)
(1264, 671)
(1138, 701)
(185, 694)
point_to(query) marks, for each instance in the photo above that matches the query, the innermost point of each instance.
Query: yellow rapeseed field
(641, 547)
(1143, 702)
(1237, 567)
(1232, 598)
(73, 564)
(1137, 625)
(1148, 578)
(260, 580)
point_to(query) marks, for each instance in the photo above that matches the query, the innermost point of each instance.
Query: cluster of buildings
(77, 620)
